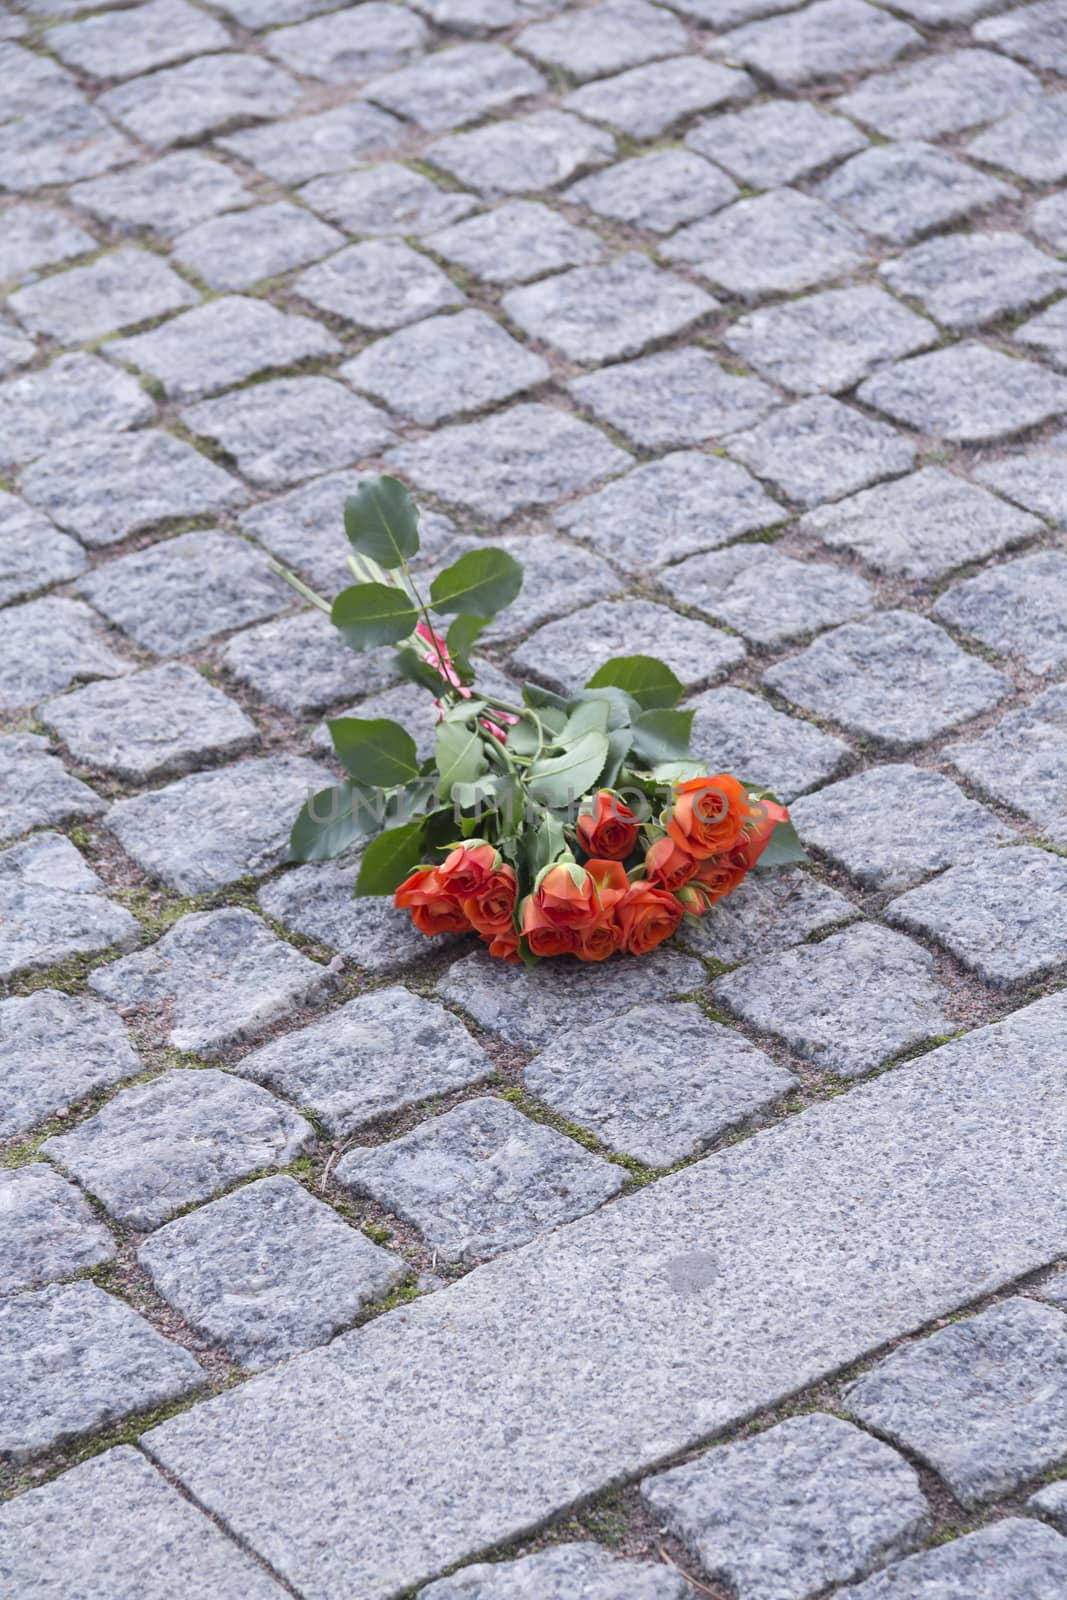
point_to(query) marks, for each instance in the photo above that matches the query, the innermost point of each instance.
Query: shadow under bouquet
(559, 825)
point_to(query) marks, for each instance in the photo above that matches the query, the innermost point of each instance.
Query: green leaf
(619, 740)
(409, 662)
(522, 737)
(483, 581)
(331, 821)
(370, 614)
(460, 640)
(377, 752)
(382, 521)
(390, 857)
(783, 849)
(622, 708)
(562, 780)
(538, 699)
(586, 714)
(460, 756)
(410, 801)
(543, 844)
(662, 736)
(671, 772)
(650, 681)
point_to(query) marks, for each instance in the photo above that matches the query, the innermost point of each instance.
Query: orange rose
(647, 916)
(610, 829)
(720, 875)
(611, 882)
(567, 896)
(668, 864)
(493, 906)
(545, 938)
(504, 945)
(599, 941)
(708, 814)
(433, 907)
(466, 868)
(758, 836)
(691, 900)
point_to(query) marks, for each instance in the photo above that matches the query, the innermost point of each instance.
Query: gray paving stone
(47, 1229)
(64, 144)
(73, 1358)
(34, 83)
(983, 1401)
(774, 243)
(819, 449)
(445, 366)
(1003, 916)
(55, 1049)
(944, 13)
(167, 195)
(657, 191)
(1015, 1557)
(563, 1573)
(810, 1502)
(105, 488)
(523, 155)
(645, 101)
(121, 44)
(212, 828)
(921, 526)
(268, 1270)
(675, 397)
(1051, 1503)
(515, 242)
(76, 397)
(117, 1512)
(769, 598)
(776, 142)
(828, 341)
(221, 344)
(151, 724)
(1034, 34)
(17, 349)
(52, 907)
(409, 1050)
(695, 652)
(474, 17)
(211, 94)
(302, 664)
(35, 788)
(182, 592)
(1022, 760)
(452, 87)
(1034, 478)
(827, 40)
(77, 647)
(232, 252)
(604, 313)
(33, 553)
(941, 94)
(1031, 142)
(968, 393)
(1047, 334)
(738, 732)
(966, 280)
(845, 1004)
(380, 284)
(480, 1179)
(559, 578)
(897, 680)
(608, 37)
(904, 190)
(769, 911)
(403, 702)
(1054, 1290)
(258, 14)
(523, 457)
(319, 901)
(38, 236)
(867, 825)
(1017, 609)
(350, 45)
(307, 147)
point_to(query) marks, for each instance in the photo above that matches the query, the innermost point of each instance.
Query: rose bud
(566, 895)
(668, 864)
(545, 938)
(610, 880)
(691, 900)
(707, 815)
(647, 916)
(758, 834)
(720, 875)
(599, 941)
(492, 908)
(504, 945)
(610, 829)
(433, 907)
(466, 868)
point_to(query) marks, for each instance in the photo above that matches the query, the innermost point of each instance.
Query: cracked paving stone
(36, 789)
(537, 1006)
(480, 1179)
(769, 911)
(895, 679)
(827, 40)
(231, 252)
(182, 592)
(178, 105)
(72, 1359)
(160, 1146)
(77, 397)
(901, 191)
(38, 236)
(302, 664)
(810, 1502)
(967, 393)
(847, 1003)
(455, 86)
(645, 101)
(1022, 760)
(523, 155)
(77, 647)
(1015, 1556)
(1017, 609)
(559, 578)
(380, 284)
(921, 526)
(1034, 34)
(268, 1270)
(117, 1513)
(210, 829)
(1047, 334)
(55, 1049)
(674, 507)
(658, 1082)
(1003, 916)
(692, 650)
(965, 280)
(287, 429)
(33, 553)
(606, 38)
(60, 146)
(221, 344)
(47, 1229)
(738, 732)
(53, 907)
(768, 598)
(562, 1573)
(516, 242)
(308, 147)
(866, 825)
(982, 1401)
(527, 456)
(820, 449)
(105, 488)
(444, 366)
(122, 44)
(941, 94)
(150, 724)
(408, 1051)
(774, 143)
(605, 313)
(168, 195)
(1051, 1503)
(774, 243)
(657, 191)
(1031, 142)
(828, 341)
(350, 45)
(675, 397)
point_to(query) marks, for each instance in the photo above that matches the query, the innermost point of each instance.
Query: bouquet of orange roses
(557, 825)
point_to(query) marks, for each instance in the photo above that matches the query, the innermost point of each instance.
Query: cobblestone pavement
(334, 1263)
